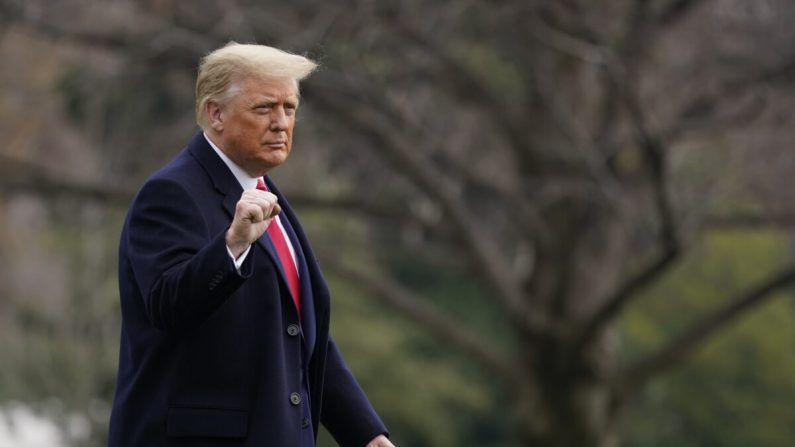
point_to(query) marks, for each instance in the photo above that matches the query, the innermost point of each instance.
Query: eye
(263, 108)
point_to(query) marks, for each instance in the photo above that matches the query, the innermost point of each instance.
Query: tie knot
(261, 185)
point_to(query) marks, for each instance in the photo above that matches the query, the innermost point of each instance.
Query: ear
(215, 115)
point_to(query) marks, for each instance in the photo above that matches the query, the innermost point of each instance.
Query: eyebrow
(270, 101)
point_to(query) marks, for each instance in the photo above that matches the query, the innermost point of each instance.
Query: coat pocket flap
(206, 422)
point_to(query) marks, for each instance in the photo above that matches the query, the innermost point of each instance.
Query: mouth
(276, 144)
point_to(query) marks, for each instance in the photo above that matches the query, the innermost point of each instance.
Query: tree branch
(677, 10)
(678, 349)
(567, 44)
(368, 119)
(750, 220)
(463, 84)
(358, 206)
(169, 44)
(707, 105)
(440, 324)
(669, 242)
(621, 297)
(653, 151)
(19, 175)
(347, 204)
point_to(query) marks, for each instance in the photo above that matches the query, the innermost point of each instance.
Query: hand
(253, 213)
(380, 441)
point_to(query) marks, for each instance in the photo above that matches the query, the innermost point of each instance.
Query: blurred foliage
(739, 388)
(87, 96)
(457, 293)
(64, 354)
(451, 403)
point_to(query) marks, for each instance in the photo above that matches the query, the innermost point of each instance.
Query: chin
(280, 157)
(273, 162)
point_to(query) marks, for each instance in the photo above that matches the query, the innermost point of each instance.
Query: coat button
(293, 330)
(295, 398)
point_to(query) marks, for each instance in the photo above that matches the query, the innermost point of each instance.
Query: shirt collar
(245, 180)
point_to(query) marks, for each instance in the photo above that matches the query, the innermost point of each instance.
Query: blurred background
(545, 222)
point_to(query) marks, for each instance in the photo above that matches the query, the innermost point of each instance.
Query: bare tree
(540, 146)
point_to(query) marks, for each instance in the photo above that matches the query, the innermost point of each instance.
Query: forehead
(271, 88)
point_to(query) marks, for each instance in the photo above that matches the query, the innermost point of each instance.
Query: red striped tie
(282, 249)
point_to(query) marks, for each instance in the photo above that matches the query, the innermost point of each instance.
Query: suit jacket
(210, 357)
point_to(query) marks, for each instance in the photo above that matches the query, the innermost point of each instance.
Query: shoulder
(186, 166)
(183, 172)
(189, 181)
(183, 168)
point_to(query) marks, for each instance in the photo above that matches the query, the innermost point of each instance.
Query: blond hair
(223, 68)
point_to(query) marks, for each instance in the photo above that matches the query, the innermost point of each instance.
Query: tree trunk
(567, 411)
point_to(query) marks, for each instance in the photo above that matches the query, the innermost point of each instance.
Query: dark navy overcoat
(210, 357)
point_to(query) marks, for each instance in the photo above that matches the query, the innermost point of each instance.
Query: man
(225, 313)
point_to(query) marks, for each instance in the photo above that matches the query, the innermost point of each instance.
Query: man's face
(255, 127)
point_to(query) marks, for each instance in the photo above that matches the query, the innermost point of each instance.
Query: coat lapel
(314, 293)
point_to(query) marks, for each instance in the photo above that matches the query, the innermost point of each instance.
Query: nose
(279, 120)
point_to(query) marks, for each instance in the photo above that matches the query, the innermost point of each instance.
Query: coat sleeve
(184, 273)
(346, 412)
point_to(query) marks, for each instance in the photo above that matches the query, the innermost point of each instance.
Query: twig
(678, 349)
(430, 318)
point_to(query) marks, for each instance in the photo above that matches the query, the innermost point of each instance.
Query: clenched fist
(253, 213)
(380, 441)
